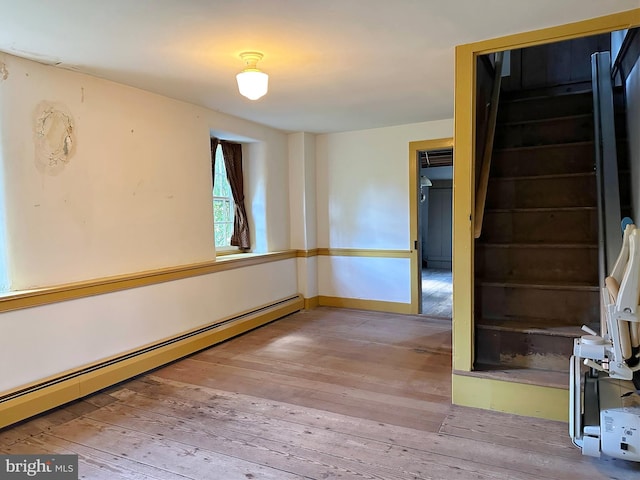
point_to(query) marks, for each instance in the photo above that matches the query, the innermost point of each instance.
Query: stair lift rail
(606, 160)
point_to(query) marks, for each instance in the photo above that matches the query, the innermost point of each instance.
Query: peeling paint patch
(53, 137)
(4, 73)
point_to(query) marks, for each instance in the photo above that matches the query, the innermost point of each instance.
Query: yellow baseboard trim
(311, 303)
(511, 397)
(35, 401)
(361, 304)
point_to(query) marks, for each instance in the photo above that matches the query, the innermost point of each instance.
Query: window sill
(229, 251)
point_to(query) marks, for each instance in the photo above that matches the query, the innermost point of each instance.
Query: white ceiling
(334, 65)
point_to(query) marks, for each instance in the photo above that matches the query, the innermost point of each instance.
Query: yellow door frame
(469, 390)
(414, 175)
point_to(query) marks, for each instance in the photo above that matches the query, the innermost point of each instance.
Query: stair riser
(518, 350)
(544, 107)
(565, 307)
(564, 130)
(561, 226)
(541, 193)
(552, 160)
(573, 265)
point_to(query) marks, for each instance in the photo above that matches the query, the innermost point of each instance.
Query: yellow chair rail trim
(59, 293)
(307, 253)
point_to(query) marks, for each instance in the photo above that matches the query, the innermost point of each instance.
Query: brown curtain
(214, 146)
(232, 153)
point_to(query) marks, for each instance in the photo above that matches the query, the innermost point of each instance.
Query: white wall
(47, 340)
(302, 187)
(363, 203)
(633, 130)
(303, 207)
(135, 195)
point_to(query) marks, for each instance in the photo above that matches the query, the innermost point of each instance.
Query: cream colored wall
(633, 130)
(44, 341)
(363, 203)
(302, 188)
(366, 278)
(135, 195)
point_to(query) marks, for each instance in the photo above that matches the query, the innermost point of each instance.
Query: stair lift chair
(604, 408)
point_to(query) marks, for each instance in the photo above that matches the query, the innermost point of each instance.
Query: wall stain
(81, 94)
(4, 72)
(53, 137)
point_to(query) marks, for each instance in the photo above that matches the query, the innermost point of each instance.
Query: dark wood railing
(485, 166)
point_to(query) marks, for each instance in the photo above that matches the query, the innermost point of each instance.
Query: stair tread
(544, 177)
(540, 285)
(531, 376)
(546, 146)
(529, 95)
(545, 119)
(536, 245)
(542, 326)
(539, 209)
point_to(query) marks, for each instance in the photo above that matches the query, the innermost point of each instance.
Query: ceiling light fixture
(252, 83)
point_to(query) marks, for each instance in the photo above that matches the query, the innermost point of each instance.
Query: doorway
(431, 172)
(464, 200)
(435, 211)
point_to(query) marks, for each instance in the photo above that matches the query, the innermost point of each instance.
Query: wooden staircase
(536, 262)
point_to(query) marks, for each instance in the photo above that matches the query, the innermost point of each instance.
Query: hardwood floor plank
(420, 384)
(42, 423)
(89, 466)
(380, 328)
(300, 448)
(328, 393)
(350, 401)
(290, 450)
(510, 430)
(254, 413)
(168, 458)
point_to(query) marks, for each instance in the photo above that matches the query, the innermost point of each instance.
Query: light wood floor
(437, 292)
(329, 393)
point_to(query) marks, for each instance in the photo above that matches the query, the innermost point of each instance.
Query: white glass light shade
(252, 83)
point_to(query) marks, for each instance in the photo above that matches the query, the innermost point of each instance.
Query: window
(223, 207)
(230, 220)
